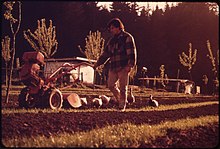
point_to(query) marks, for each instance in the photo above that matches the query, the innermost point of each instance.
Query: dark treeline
(160, 35)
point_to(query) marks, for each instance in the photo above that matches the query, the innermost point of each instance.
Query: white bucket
(188, 89)
(197, 89)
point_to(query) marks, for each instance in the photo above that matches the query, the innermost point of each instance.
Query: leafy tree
(214, 63)
(145, 11)
(94, 45)
(212, 58)
(43, 39)
(8, 16)
(6, 55)
(157, 36)
(188, 60)
(120, 9)
(94, 48)
(133, 8)
(92, 12)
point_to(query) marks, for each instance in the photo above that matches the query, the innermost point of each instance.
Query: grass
(147, 108)
(122, 135)
(138, 92)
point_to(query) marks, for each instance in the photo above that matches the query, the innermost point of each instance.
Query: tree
(158, 39)
(92, 12)
(94, 48)
(120, 9)
(43, 39)
(214, 8)
(6, 55)
(133, 8)
(212, 58)
(188, 60)
(8, 16)
(145, 11)
(214, 63)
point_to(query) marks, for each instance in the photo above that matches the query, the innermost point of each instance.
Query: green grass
(147, 108)
(122, 135)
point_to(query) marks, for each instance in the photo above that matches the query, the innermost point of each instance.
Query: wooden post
(81, 77)
(154, 83)
(178, 83)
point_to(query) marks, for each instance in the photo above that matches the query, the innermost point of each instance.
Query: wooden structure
(188, 85)
(83, 73)
(160, 79)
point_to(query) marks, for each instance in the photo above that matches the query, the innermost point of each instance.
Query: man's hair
(116, 22)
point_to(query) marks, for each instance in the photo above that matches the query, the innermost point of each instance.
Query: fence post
(81, 77)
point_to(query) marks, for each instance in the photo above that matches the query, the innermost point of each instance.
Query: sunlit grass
(181, 106)
(147, 108)
(138, 92)
(122, 135)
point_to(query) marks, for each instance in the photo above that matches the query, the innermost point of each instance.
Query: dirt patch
(32, 124)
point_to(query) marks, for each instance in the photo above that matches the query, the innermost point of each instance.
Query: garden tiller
(41, 91)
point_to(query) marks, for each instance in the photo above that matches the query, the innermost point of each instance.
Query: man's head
(115, 26)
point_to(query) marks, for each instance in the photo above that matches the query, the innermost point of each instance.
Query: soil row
(32, 124)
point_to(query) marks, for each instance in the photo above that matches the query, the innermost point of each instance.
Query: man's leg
(112, 84)
(123, 83)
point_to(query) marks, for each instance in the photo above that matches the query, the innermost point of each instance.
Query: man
(121, 51)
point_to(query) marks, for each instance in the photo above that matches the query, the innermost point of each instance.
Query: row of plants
(145, 109)
(43, 39)
(122, 135)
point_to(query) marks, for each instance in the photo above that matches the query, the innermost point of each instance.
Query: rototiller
(40, 91)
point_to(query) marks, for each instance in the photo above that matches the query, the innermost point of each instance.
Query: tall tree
(92, 12)
(188, 60)
(133, 8)
(145, 11)
(213, 59)
(94, 45)
(94, 48)
(43, 39)
(6, 55)
(8, 16)
(158, 36)
(119, 9)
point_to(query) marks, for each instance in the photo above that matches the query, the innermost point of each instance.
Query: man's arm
(131, 51)
(102, 59)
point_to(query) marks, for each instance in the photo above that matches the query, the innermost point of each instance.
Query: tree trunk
(178, 83)
(13, 50)
(11, 70)
(190, 75)
(6, 73)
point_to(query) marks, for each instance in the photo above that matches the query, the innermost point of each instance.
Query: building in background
(84, 73)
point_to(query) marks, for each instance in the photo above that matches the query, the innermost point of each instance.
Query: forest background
(160, 34)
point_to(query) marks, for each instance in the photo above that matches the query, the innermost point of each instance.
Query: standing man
(121, 50)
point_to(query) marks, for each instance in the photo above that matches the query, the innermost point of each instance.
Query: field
(180, 121)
